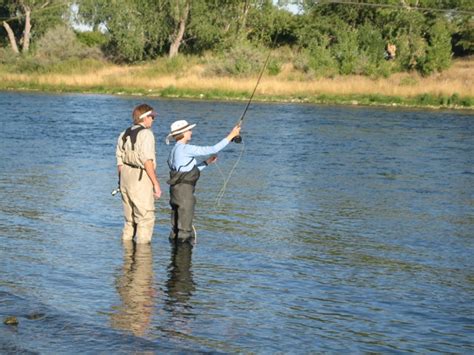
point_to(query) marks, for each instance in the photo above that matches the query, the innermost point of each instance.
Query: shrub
(301, 61)
(321, 62)
(410, 51)
(7, 56)
(28, 64)
(274, 67)
(371, 43)
(241, 60)
(60, 44)
(166, 65)
(345, 50)
(371, 60)
(75, 65)
(92, 38)
(438, 53)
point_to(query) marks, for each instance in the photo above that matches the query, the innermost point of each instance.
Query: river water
(340, 230)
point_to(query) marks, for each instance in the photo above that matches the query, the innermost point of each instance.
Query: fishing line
(221, 193)
(220, 171)
(238, 139)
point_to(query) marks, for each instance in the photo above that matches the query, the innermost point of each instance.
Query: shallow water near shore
(340, 230)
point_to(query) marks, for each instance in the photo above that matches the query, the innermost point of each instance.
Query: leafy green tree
(136, 30)
(371, 60)
(25, 20)
(360, 32)
(438, 53)
(321, 61)
(144, 29)
(463, 38)
(345, 50)
(208, 26)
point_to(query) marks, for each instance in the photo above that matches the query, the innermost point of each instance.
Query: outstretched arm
(195, 150)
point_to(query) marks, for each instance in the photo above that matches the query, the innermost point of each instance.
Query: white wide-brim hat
(178, 127)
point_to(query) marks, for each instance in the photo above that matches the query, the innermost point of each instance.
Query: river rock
(11, 320)
(35, 316)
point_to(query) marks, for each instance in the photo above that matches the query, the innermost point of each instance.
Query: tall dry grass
(456, 80)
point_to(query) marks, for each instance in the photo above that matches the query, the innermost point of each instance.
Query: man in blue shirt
(184, 174)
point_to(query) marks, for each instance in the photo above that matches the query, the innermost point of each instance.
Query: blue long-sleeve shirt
(183, 156)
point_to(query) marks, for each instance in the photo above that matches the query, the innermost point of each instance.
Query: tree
(179, 11)
(24, 14)
(359, 32)
(438, 54)
(136, 30)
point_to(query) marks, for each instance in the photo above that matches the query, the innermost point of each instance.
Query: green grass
(427, 101)
(454, 101)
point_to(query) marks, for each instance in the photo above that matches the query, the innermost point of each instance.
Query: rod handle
(237, 139)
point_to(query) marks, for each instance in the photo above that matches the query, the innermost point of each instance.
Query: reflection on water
(135, 286)
(180, 287)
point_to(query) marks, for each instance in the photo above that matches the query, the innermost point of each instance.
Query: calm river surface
(341, 230)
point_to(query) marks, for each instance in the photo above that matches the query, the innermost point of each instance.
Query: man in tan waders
(139, 185)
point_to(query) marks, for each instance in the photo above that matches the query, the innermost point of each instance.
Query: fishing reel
(237, 139)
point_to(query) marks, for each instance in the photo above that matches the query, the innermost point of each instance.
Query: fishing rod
(238, 139)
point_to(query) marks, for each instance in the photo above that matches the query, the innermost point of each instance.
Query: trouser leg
(140, 207)
(129, 226)
(144, 213)
(183, 202)
(145, 224)
(174, 222)
(185, 220)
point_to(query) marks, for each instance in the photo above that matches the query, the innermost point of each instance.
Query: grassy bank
(450, 89)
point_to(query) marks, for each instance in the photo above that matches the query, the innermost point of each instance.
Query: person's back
(136, 163)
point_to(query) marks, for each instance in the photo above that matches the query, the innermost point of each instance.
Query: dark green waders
(182, 201)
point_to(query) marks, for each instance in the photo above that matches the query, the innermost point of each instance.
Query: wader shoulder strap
(132, 133)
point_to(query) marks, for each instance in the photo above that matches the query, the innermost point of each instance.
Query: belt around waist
(136, 167)
(133, 166)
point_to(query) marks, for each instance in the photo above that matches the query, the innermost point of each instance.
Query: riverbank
(450, 89)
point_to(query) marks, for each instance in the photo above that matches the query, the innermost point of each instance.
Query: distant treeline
(322, 38)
